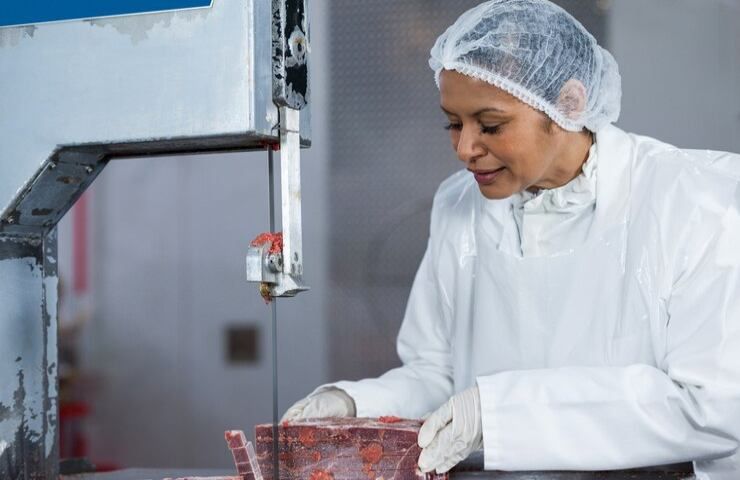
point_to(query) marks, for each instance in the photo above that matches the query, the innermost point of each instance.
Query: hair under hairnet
(537, 52)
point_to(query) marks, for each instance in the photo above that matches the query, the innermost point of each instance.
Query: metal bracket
(290, 183)
(280, 274)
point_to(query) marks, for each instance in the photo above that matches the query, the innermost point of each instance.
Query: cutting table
(679, 473)
(472, 468)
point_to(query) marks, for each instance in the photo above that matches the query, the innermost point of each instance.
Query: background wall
(680, 65)
(168, 235)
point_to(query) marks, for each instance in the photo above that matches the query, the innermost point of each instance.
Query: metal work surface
(472, 468)
(159, 474)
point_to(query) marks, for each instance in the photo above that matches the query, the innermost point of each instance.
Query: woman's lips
(486, 177)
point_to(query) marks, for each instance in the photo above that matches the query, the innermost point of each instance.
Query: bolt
(88, 169)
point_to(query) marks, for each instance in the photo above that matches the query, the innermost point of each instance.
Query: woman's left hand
(451, 433)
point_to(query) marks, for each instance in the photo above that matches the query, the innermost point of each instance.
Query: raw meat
(206, 478)
(390, 419)
(344, 449)
(244, 455)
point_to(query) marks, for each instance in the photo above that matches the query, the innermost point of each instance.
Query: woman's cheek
(454, 140)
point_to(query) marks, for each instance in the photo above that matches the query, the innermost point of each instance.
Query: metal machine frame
(79, 93)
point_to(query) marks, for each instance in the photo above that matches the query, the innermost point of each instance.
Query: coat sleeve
(425, 380)
(593, 418)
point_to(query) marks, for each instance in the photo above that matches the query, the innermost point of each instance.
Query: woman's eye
(453, 126)
(491, 130)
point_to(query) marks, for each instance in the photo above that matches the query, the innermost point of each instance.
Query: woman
(578, 305)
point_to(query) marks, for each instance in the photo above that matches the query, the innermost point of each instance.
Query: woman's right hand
(332, 402)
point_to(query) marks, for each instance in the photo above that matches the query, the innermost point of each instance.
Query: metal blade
(275, 434)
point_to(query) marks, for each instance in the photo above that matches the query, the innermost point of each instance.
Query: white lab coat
(618, 348)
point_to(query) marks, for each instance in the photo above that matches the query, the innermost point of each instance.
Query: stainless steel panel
(159, 83)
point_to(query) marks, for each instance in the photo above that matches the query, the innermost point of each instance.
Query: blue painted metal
(20, 12)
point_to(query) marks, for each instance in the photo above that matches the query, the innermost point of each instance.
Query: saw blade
(275, 433)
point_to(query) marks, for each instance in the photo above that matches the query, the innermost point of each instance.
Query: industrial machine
(218, 76)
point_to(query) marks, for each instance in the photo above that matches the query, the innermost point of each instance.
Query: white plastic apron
(550, 311)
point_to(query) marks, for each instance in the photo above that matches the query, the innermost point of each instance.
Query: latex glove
(332, 402)
(451, 433)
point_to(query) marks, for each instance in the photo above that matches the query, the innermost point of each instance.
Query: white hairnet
(539, 53)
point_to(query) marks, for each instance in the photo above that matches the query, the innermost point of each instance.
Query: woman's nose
(468, 146)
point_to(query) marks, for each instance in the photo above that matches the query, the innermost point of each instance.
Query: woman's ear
(572, 99)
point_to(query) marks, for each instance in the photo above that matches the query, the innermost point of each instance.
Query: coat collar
(615, 149)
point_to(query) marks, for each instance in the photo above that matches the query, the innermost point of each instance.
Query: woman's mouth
(486, 177)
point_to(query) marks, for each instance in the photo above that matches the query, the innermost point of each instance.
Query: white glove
(451, 433)
(332, 402)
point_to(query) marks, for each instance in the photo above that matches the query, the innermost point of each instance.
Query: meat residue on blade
(276, 240)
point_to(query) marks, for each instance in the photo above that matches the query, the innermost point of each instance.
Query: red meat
(207, 478)
(344, 449)
(244, 455)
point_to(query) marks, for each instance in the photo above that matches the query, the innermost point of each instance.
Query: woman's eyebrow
(477, 112)
(487, 110)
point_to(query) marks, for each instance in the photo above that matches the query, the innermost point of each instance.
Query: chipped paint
(49, 314)
(67, 180)
(12, 247)
(290, 50)
(138, 27)
(40, 212)
(4, 412)
(28, 319)
(13, 36)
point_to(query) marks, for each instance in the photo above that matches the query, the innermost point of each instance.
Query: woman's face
(507, 145)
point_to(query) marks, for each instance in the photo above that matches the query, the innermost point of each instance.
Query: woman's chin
(496, 192)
